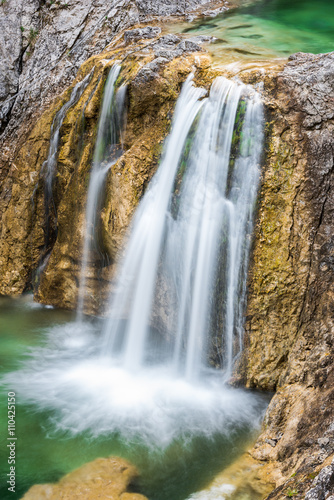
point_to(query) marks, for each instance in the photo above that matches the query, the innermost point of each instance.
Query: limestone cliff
(289, 329)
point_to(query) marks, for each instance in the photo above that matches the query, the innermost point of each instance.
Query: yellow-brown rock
(150, 107)
(104, 478)
(289, 327)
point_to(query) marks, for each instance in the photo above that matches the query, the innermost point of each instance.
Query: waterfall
(50, 165)
(106, 152)
(141, 374)
(192, 228)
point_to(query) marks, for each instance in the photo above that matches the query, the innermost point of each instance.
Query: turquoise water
(270, 28)
(42, 455)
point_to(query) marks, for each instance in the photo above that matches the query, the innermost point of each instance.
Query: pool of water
(171, 472)
(269, 28)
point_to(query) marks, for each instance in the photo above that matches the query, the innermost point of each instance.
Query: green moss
(32, 34)
(292, 492)
(182, 167)
(238, 145)
(312, 475)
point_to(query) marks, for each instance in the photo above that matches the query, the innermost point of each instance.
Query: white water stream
(108, 135)
(184, 244)
(50, 165)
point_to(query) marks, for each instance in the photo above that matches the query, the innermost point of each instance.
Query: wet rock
(289, 323)
(102, 478)
(153, 87)
(44, 45)
(167, 41)
(323, 485)
(189, 46)
(141, 33)
(170, 46)
(290, 300)
(150, 71)
(203, 39)
(272, 442)
(166, 7)
(167, 54)
(323, 442)
(214, 12)
(166, 47)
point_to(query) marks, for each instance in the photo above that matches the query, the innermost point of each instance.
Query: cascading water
(48, 170)
(190, 237)
(183, 237)
(136, 283)
(106, 152)
(50, 165)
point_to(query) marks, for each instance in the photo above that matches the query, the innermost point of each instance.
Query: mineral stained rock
(102, 478)
(289, 329)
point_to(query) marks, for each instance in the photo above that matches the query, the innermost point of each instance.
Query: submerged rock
(102, 478)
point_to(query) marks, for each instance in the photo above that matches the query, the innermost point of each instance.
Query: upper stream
(265, 29)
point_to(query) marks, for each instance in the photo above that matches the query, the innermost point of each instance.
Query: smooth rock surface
(104, 478)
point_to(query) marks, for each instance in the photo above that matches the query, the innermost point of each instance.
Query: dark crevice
(290, 254)
(6, 119)
(19, 64)
(321, 216)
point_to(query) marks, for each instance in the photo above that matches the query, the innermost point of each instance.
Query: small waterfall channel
(107, 150)
(49, 168)
(50, 165)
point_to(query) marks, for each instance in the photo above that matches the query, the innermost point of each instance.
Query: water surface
(269, 28)
(169, 471)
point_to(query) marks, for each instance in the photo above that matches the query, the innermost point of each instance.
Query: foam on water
(222, 492)
(89, 394)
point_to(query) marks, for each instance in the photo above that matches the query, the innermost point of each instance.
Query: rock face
(289, 328)
(290, 297)
(48, 42)
(152, 88)
(103, 478)
(323, 485)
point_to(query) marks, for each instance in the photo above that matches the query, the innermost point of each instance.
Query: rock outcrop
(102, 478)
(45, 45)
(289, 329)
(45, 42)
(153, 86)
